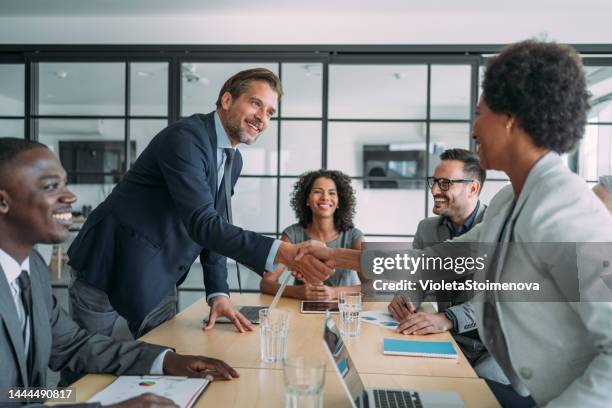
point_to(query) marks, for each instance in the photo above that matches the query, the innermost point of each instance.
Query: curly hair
(543, 85)
(343, 217)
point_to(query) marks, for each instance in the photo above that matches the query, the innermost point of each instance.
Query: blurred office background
(96, 84)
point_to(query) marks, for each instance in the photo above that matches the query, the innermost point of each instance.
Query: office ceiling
(191, 8)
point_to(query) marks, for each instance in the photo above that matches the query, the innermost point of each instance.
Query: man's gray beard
(237, 133)
(244, 140)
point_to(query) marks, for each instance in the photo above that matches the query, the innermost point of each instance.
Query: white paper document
(182, 390)
(379, 318)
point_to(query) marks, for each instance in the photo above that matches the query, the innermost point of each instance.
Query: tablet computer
(250, 312)
(318, 306)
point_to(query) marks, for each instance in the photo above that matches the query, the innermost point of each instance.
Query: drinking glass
(304, 381)
(273, 333)
(349, 304)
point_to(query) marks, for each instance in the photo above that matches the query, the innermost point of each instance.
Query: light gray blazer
(59, 343)
(561, 352)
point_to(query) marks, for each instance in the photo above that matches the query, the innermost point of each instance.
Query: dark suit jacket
(142, 240)
(58, 342)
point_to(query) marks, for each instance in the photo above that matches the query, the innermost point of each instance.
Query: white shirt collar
(11, 268)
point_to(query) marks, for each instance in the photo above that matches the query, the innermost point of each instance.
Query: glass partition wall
(382, 119)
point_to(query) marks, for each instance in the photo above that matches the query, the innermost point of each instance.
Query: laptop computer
(362, 397)
(250, 312)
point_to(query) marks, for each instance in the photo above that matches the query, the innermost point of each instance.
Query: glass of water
(304, 381)
(273, 333)
(349, 304)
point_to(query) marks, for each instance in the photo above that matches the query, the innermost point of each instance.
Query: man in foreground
(35, 207)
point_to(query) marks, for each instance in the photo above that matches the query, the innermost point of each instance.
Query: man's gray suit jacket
(434, 230)
(58, 342)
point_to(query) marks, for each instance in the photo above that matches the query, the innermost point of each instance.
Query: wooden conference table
(261, 384)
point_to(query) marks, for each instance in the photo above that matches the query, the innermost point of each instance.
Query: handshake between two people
(311, 261)
(412, 321)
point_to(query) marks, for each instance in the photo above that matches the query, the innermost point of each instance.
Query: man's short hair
(471, 163)
(11, 147)
(606, 182)
(240, 82)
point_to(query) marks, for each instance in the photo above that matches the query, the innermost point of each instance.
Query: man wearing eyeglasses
(455, 187)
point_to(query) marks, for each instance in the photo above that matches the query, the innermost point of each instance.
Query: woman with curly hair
(324, 204)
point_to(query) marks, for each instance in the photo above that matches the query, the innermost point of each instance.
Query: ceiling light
(312, 70)
(61, 74)
(145, 74)
(190, 74)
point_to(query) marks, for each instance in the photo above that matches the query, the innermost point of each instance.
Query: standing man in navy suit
(138, 245)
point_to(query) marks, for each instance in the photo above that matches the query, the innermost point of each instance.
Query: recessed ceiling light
(145, 74)
(61, 74)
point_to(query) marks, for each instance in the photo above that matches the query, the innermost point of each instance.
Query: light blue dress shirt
(223, 142)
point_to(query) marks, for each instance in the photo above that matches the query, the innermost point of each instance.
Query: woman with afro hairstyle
(324, 204)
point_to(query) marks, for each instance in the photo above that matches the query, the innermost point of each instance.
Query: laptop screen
(342, 361)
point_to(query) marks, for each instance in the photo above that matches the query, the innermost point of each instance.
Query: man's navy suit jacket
(141, 241)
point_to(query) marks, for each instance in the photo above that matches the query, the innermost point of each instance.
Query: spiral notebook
(439, 349)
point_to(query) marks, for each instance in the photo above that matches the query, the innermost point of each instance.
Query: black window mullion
(278, 152)
(325, 114)
(31, 99)
(126, 121)
(174, 90)
(427, 135)
(474, 86)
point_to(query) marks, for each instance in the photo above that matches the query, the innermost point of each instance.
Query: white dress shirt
(12, 270)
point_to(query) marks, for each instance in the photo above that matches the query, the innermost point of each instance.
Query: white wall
(573, 24)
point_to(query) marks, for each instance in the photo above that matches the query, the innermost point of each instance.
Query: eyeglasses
(444, 183)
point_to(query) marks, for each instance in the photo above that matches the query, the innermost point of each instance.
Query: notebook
(441, 349)
(183, 391)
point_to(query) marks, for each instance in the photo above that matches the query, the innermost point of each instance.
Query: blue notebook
(441, 349)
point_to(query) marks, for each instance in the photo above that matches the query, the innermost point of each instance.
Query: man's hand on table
(424, 323)
(147, 400)
(309, 261)
(222, 306)
(400, 307)
(197, 366)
